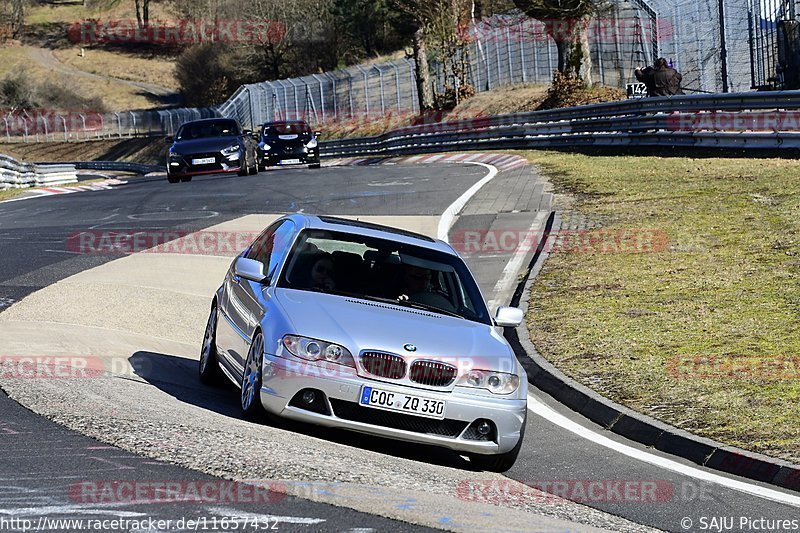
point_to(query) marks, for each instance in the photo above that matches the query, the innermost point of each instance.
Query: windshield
(289, 128)
(202, 130)
(383, 270)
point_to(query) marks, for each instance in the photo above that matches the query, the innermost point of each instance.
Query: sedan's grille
(432, 374)
(417, 424)
(384, 365)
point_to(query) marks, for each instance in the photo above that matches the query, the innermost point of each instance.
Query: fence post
(397, 85)
(333, 93)
(132, 129)
(521, 41)
(46, 129)
(64, 122)
(8, 132)
(380, 78)
(321, 97)
(366, 89)
(413, 77)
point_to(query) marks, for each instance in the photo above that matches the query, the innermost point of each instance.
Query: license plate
(203, 161)
(290, 161)
(402, 403)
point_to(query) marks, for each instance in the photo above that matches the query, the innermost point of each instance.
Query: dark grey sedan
(211, 146)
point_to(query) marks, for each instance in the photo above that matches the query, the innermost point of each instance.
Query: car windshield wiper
(408, 303)
(426, 307)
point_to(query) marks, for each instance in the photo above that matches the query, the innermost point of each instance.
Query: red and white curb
(69, 189)
(503, 162)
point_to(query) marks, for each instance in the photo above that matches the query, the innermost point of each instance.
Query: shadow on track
(177, 377)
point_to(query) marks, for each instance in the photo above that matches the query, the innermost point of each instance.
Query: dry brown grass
(124, 66)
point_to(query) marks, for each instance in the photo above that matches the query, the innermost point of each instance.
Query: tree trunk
(17, 18)
(146, 13)
(138, 5)
(424, 89)
(572, 44)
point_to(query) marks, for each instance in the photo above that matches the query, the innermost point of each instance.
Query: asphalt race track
(42, 462)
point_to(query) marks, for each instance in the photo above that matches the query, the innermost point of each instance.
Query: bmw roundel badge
(410, 347)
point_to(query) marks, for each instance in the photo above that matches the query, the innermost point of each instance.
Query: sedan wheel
(209, 371)
(251, 382)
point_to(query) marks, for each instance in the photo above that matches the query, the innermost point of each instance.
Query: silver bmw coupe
(369, 328)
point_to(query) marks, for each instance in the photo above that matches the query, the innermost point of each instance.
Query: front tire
(315, 165)
(172, 179)
(208, 369)
(186, 179)
(251, 381)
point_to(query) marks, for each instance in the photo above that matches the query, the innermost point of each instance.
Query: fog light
(309, 396)
(484, 428)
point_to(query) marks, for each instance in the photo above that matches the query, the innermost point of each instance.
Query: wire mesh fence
(715, 44)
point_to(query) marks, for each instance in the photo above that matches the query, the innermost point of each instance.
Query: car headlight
(231, 150)
(495, 382)
(312, 143)
(317, 350)
(265, 147)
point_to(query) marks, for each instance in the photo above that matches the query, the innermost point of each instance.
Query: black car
(287, 143)
(211, 146)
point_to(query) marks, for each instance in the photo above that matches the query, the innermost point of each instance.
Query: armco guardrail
(17, 175)
(742, 120)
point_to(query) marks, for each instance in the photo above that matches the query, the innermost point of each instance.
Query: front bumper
(283, 379)
(181, 165)
(271, 159)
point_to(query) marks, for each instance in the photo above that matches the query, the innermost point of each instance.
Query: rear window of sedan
(383, 270)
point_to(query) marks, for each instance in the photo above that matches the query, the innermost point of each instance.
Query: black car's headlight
(312, 144)
(317, 350)
(495, 382)
(265, 147)
(231, 150)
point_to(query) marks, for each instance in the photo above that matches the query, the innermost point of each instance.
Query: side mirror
(317, 133)
(249, 269)
(248, 132)
(508, 317)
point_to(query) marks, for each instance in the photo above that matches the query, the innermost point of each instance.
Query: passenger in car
(414, 280)
(322, 270)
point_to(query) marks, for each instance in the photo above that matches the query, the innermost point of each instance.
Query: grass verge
(702, 333)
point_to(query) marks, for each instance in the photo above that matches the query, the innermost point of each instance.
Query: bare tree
(439, 30)
(142, 13)
(17, 17)
(566, 22)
